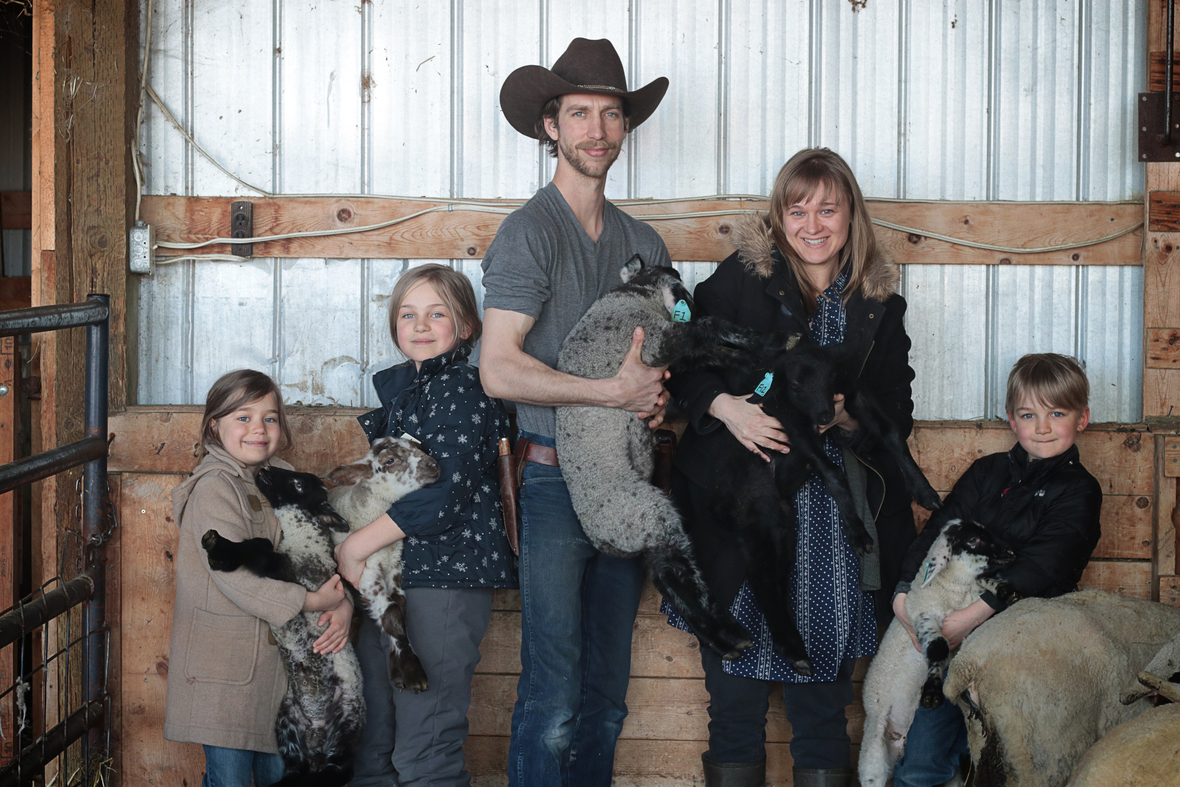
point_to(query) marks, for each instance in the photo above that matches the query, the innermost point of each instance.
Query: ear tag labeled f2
(928, 577)
(681, 312)
(764, 386)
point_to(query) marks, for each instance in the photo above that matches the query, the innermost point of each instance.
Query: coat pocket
(222, 648)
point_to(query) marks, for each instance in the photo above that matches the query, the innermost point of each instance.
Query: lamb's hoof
(932, 695)
(408, 674)
(932, 699)
(803, 667)
(736, 653)
(864, 546)
(929, 500)
(210, 539)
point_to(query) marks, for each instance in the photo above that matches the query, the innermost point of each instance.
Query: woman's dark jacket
(754, 287)
(1047, 511)
(454, 530)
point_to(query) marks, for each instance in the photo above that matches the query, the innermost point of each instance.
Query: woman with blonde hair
(810, 266)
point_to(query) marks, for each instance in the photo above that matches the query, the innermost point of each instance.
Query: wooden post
(85, 97)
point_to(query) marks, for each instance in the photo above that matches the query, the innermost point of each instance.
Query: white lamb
(955, 572)
(366, 489)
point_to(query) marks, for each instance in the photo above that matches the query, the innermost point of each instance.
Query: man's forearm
(521, 378)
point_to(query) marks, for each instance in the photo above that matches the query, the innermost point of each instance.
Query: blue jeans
(577, 611)
(233, 767)
(936, 741)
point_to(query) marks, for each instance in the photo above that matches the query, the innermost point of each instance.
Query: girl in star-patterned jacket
(455, 550)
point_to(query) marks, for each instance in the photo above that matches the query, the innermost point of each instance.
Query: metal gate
(54, 643)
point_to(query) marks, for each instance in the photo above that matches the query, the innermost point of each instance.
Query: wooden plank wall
(153, 449)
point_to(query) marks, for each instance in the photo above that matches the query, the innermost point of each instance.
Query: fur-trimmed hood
(751, 235)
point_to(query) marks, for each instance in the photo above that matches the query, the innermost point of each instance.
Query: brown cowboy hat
(586, 67)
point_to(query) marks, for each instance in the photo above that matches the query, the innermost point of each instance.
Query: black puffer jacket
(754, 287)
(1047, 511)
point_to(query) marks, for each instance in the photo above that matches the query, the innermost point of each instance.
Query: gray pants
(417, 739)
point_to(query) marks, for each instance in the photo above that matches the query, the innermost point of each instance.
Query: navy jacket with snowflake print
(454, 530)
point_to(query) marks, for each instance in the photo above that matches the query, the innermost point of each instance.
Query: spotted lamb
(322, 714)
(393, 468)
(957, 569)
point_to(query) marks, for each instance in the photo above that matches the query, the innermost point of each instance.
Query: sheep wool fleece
(225, 677)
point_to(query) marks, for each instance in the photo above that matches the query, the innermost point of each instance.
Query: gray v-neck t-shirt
(544, 265)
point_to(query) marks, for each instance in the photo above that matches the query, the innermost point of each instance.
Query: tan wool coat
(225, 678)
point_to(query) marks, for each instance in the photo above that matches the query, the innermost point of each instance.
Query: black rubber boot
(734, 774)
(823, 777)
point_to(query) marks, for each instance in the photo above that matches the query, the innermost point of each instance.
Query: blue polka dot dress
(835, 617)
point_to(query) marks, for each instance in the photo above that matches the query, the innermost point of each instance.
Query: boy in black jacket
(1039, 499)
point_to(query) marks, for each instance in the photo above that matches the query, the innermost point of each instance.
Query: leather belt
(528, 451)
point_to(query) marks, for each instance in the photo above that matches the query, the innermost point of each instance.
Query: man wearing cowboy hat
(550, 261)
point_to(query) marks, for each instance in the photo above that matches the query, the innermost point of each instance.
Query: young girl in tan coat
(225, 678)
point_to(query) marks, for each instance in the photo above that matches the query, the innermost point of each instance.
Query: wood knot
(723, 229)
(344, 214)
(1005, 261)
(1142, 503)
(1168, 248)
(471, 251)
(97, 238)
(1075, 256)
(914, 238)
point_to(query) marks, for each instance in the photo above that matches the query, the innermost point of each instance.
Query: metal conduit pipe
(35, 755)
(51, 462)
(52, 318)
(32, 614)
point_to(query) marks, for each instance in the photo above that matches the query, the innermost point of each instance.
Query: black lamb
(756, 498)
(323, 712)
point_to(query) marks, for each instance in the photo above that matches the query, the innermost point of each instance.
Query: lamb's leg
(767, 529)
(864, 408)
(289, 738)
(928, 629)
(257, 555)
(807, 445)
(677, 577)
(386, 603)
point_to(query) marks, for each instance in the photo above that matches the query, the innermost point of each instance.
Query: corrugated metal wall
(947, 100)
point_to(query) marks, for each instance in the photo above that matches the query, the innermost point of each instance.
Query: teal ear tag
(681, 312)
(764, 386)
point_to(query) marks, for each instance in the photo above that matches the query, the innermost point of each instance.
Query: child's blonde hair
(1050, 379)
(457, 293)
(236, 389)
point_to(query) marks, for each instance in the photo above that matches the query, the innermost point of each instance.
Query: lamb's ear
(348, 475)
(936, 560)
(677, 301)
(633, 266)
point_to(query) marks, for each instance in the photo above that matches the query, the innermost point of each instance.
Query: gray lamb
(607, 455)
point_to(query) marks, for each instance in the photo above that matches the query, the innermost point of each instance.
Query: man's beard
(584, 165)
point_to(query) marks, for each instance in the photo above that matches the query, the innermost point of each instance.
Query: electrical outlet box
(241, 225)
(141, 244)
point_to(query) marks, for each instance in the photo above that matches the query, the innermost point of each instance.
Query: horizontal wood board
(153, 450)
(465, 234)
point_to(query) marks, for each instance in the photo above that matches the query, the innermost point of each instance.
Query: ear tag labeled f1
(764, 386)
(928, 577)
(681, 312)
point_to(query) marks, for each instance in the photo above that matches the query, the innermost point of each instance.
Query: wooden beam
(1161, 263)
(1163, 211)
(16, 210)
(464, 234)
(1163, 348)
